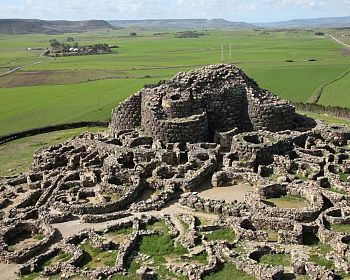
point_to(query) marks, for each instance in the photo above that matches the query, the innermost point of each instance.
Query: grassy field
(326, 118)
(276, 259)
(47, 91)
(16, 156)
(26, 107)
(337, 93)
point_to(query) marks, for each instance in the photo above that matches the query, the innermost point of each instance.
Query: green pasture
(26, 107)
(337, 93)
(70, 88)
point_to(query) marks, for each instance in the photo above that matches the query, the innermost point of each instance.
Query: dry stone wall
(193, 106)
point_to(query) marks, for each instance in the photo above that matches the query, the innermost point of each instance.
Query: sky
(234, 10)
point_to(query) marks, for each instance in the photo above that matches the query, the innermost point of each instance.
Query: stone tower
(197, 105)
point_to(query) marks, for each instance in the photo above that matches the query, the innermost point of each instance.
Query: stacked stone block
(194, 106)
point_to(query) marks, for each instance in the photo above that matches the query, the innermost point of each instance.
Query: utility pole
(230, 53)
(98, 101)
(222, 53)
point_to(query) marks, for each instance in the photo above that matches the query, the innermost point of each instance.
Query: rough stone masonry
(197, 105)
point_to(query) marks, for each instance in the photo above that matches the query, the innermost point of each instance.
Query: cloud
(236, 10)
(124, 9)
(322, 4)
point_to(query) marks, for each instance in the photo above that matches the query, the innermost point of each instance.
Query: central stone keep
(199, 105)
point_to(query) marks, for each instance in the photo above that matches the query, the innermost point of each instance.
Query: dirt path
(17, 69)
(339, 42)
(74, 227)
(316, 97)
(48, 57)
(8, 271)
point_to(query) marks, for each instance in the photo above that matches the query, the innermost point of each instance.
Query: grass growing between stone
(39, 237)
(344, 228)
(201, 258)
(134, 266)
(317, 255)
(221, 234)
(158, 226)
(273, 177)
(96, 258)
(184, 225)
(300, 177)
(287, 201)
(321, 261)
(228, 271)
(61, 257)
(317, 251)
(118, 235)
(276, 259)
(343, 177)
(337, 191)
(31, 276)
(159, 247)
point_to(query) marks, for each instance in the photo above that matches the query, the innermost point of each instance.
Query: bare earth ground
(229, 193)
(25, 243)
(7, 271)
(56, 77)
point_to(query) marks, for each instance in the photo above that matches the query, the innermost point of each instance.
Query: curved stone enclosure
(194, 106)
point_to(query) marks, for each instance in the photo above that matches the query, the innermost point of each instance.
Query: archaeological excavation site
(198, 177)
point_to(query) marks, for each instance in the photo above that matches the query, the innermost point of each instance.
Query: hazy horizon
(135, 19)
(251, 11)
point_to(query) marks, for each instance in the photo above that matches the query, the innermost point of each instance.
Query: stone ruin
(205, 153)
(214, 102)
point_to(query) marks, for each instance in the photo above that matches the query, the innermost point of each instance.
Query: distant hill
(309, 23)
(29, 26)
(181, 23)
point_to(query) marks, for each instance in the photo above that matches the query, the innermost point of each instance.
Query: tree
(54, 43)
(133, 34)
(319, 33)
(70, 39)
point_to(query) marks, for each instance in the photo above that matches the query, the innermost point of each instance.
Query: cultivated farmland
(294, 65)
(337, 93)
